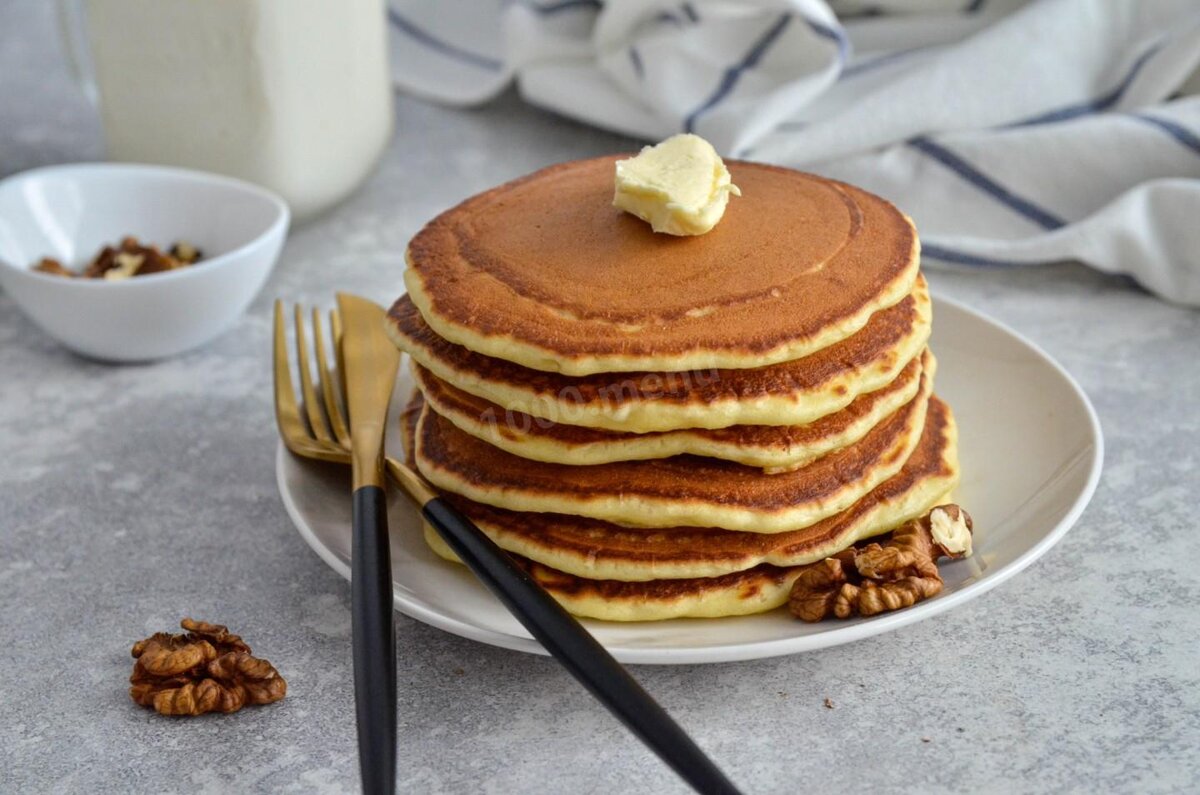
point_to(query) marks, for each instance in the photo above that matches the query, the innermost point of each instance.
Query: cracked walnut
(877, 578)
(209, 669)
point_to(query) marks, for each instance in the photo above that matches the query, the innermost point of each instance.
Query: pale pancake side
(742, 593)
(792, 393)
(544, 272)
(683, 490)
(773, 448)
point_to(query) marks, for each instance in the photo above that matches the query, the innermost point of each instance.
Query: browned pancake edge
(547, 263)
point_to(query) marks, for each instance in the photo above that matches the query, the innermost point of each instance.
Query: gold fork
(369, 362)
(320, 429)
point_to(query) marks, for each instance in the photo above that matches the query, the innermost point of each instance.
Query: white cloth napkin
(1014, 133)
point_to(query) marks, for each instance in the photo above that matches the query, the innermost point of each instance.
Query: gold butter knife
(371, 362)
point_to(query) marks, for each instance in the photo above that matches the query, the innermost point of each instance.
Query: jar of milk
(293, 95)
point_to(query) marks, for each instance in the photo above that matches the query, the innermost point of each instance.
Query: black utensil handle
(574, 647)
(374, 642)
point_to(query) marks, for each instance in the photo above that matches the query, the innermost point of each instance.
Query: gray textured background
(130, 496)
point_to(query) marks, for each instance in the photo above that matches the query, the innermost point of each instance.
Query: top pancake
(544, 272)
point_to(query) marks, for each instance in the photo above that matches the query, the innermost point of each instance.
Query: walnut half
(877, 578)
(209, 669)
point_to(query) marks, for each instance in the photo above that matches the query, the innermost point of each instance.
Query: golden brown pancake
(741, 593)
(791, 393)
(594, 549)
(545, 272)
(683, 490)
(775, 449)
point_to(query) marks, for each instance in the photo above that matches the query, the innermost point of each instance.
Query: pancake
(683, 490)
(792, 393)
(546, 273)
(741, 593)
(598, 550)
(774, 449)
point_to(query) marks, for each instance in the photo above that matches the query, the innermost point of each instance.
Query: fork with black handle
(325, 435)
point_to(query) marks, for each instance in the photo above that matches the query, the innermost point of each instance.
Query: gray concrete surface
(130, 496)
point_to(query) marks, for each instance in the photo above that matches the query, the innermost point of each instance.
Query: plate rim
(763, 649)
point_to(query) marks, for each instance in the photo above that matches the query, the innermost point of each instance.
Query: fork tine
(335, 326)
(332, 410)
(316, 418)
(287, 412)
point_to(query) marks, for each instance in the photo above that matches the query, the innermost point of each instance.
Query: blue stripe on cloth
(730, 79)
(863, 13)
(833, 34)
(1102, 102)
(975, 261)
(635, 60)
(444, 47)
(974, 6)
(561, 5)
(882, 60)
(963, 258)
(690, 12)
(1041, 217)
(1173, 129)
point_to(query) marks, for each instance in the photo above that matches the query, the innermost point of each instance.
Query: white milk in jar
(291, 94)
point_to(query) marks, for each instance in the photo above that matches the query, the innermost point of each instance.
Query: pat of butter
(680, 186)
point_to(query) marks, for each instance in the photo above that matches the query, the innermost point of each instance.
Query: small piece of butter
(951, 532)
(680, 186)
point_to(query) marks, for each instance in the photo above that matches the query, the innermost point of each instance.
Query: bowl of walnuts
(124, 262)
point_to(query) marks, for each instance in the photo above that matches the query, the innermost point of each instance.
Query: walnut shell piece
(879, 577)
(209, 669)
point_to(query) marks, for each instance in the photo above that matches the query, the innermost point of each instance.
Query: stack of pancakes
(661, 427)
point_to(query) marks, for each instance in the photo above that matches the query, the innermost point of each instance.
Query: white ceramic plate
(1031, 453)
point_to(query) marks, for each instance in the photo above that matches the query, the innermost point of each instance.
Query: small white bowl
(69, 212)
